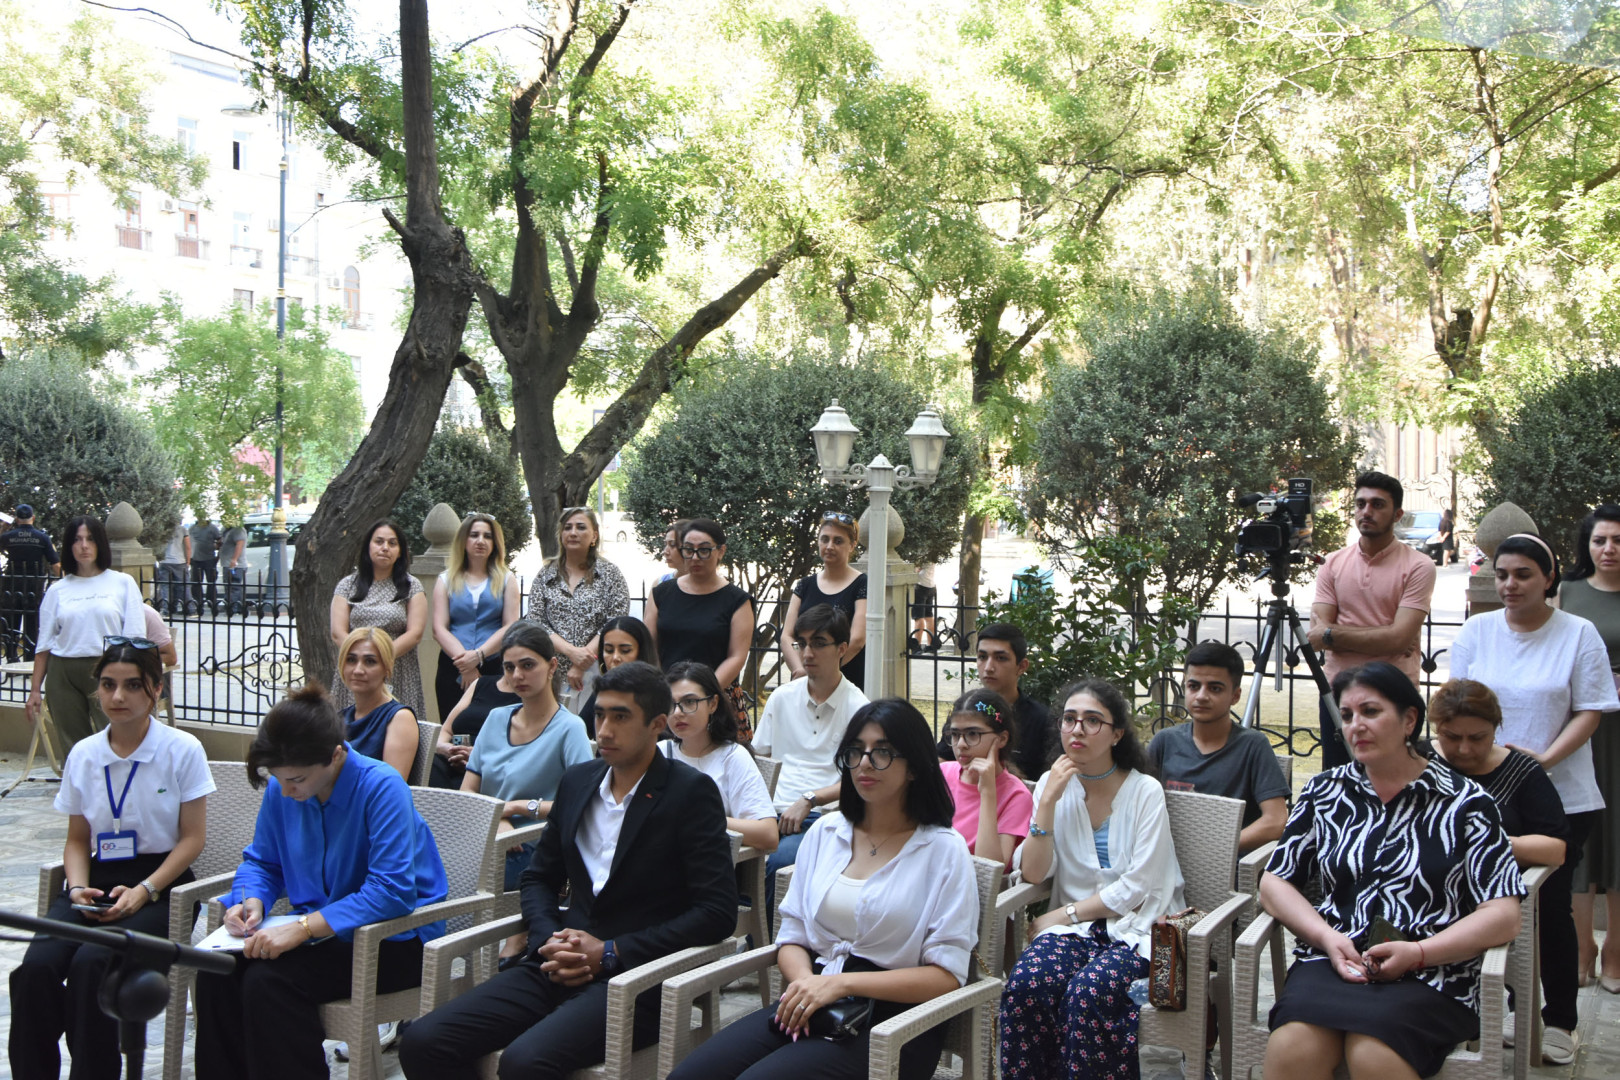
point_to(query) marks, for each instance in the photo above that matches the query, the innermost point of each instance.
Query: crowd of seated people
(1394, 873)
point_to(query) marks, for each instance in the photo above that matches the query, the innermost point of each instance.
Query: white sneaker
(387, 1036)
(1559, 1047)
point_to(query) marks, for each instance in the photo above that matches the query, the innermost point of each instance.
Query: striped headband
(1538, 540)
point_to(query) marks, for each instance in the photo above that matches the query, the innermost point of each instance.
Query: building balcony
(190, 247)
(356, 320)
(134, 238)
(303, 265)
(246, 256)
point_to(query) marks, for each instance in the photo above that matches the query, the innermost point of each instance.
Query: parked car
(256, 554)
(1420, 529)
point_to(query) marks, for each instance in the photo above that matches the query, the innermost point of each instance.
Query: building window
(186, 132)
(242, 298)
(243, 253)
(351, 297)
(58, 206)
(188, 242)
(130, 233)
(239, 147)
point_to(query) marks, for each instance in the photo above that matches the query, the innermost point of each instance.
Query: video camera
(1282, 523)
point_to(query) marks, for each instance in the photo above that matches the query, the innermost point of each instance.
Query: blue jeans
(235, 589)
(171, 579)
(786, 853)
(516, 863)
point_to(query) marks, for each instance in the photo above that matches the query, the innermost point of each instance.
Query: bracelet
(1036, 830)
(1422, 963)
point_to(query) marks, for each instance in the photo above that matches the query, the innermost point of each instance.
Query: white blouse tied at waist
(922, 907)
(1144, 881)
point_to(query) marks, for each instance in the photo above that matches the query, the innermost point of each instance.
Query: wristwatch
(1074, 916)
(151, 890)
(303, 920)
(533, 808)
(610, 959)
(1327, 638)
(809, 797)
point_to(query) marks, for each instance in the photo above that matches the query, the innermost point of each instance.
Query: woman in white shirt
(92, 603)
(883, 905)
(135, 795)
(705, 730)
(1101, 834)
(1550, 672)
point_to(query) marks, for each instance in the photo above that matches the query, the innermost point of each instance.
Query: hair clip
(988, 710)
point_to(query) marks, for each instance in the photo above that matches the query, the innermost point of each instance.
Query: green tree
(214, 396)
(1177, 410)
(72, 106)
(68, 447)
(738, 449)
(463, 469)
(1558, 454)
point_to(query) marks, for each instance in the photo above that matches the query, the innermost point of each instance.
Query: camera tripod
(1282, 619)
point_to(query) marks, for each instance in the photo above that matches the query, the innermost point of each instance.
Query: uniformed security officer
(30, 555)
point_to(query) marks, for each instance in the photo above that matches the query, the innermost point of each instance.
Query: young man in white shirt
(801, 726)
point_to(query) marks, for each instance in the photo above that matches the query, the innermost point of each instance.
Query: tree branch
(567, 250)
(587, 70)
(489, 411)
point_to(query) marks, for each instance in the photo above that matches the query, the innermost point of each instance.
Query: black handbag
(846, 1018)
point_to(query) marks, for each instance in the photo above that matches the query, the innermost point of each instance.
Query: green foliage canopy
(1559, 454)
(214, 395)
(68, 447)
(462, 469)
(1179, 408)
(739, 450)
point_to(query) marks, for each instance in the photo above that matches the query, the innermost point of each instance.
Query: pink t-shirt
(1368, 592)
(1015, 806)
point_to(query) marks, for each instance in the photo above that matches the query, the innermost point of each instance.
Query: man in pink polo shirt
(1371, 599)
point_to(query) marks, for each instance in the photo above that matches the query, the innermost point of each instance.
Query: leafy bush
(1097, 631)
(1179, 409)
(1558, 455)
(67, 447)
(739, 450)
(462, 469)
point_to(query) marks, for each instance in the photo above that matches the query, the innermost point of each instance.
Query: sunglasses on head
(132, 642)
(839, 516)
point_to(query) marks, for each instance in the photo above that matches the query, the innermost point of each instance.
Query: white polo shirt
(599, 829)
(173, 769)
(804, 736)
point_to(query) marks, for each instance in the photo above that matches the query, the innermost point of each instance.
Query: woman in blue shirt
(474, 601)
(338, 836)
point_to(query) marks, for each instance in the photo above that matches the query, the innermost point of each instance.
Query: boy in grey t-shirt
(1213, 756)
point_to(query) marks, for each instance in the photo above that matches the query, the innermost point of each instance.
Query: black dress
(1429, 857)
(808, 590)
(695, 627)
(471, 721)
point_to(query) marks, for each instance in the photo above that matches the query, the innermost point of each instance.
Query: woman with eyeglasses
(837, 584)
(381, 592)
(701, 616)
(993, 805)
(705, 737)
(523, 749)
(474, 602)
(78, 612)
(573, 596)
(136, 795)
(1101, 834)
(884, 905)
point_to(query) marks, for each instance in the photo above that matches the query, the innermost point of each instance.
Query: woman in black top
(699, 615)
(838, 585)
(1397, 838)
(1465, 717)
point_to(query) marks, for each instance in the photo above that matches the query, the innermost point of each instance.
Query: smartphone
(1383, 930)
(99, 905)
(459, 740)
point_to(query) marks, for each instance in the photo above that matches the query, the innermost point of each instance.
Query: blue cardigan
(365, 856)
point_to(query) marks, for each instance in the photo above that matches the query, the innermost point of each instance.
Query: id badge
(116, 846)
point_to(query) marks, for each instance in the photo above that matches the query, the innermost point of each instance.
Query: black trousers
(264, 1022)
(53, 990)
(1560, 954)
(753, 1048)
(205, 570)
(19, 615)
(543, 1030)
(447, 686)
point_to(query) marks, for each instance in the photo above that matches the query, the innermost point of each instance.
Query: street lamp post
(278, 512)
(834, 437)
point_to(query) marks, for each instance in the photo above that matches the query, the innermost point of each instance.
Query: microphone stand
(136, 989)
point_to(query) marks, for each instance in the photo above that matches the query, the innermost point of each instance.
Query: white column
(879, 483)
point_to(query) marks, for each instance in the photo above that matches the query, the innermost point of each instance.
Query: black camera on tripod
(1282, 523)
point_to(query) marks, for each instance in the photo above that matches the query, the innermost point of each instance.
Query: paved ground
(31, 833)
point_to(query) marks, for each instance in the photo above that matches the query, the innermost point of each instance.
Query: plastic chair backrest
(233, 814)
(427, 737)
(463, 825)
(1205, 830)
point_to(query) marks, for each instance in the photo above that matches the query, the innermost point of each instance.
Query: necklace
(872, 848)
(1100, 776)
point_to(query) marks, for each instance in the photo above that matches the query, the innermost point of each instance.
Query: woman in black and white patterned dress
(1397, 837)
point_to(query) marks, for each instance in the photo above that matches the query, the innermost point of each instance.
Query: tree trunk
(424, 363)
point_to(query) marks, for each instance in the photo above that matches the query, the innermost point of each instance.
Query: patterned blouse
(578, 615)
(1431, 856)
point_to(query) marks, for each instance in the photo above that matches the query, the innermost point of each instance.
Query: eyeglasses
(690, 704)
(881, 757)
(1088, 725)
(703, 552)
(132, 642)
(814, 643)
(966, 736)
(838, 516)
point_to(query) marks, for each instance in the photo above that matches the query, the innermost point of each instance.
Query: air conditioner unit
(334, 282)
(272, 224)
(168, 206)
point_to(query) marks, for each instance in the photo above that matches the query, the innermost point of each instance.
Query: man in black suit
(640, 842)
